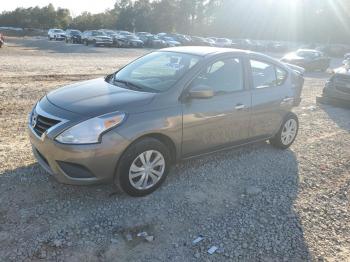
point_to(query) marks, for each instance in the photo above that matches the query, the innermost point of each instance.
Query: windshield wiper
(128, 84)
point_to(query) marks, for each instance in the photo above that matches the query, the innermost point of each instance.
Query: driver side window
(223, 76)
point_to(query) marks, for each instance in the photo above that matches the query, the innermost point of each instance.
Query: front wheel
(143, 167)
(287, 133)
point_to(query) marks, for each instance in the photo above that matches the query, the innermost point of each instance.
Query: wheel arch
(166, 140)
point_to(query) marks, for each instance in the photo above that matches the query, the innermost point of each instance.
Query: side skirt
(226, 148)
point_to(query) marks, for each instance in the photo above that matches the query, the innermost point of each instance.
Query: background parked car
(56, 34)
(133, 41)
(144, 37)
(73, 36)
(223, 42)
(311, 60)
(124, 33)
(201, 41)
(2, 40)
(337, 88)
(155, 42)
(336, 50)
(182, 39)
(170, 42)
(97, 38)
(117, 39)
(211, 41)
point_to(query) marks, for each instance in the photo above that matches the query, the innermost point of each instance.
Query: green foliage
(311, 20)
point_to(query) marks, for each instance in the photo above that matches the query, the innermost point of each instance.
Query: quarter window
(223, 76)
(281, 76)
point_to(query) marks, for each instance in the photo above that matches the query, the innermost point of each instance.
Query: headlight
(90, 131)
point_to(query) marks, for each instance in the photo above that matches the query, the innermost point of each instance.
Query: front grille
(342, 83)
(43, 124)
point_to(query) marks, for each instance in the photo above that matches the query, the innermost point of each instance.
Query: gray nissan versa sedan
(172, 104)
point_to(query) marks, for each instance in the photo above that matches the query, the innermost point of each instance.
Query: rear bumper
(332, 92)
(333, 101)
(79, 164)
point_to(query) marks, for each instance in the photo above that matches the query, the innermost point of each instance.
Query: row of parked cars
(106, 37)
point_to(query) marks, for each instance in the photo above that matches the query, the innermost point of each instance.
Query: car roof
(204, 50)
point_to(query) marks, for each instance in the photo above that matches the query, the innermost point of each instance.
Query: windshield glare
(156, 72)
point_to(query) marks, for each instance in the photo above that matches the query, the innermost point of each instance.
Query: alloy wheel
(289, 131)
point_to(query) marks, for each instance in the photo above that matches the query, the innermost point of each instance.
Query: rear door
(272, 97)
(223, 119)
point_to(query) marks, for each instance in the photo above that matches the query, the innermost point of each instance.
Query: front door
(223, 119)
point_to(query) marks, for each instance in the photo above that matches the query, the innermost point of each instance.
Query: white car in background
(223, 42)
(56, 34)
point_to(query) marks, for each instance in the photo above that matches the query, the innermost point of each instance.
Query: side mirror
(201, 92)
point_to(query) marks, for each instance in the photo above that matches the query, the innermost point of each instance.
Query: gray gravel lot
(254, 203)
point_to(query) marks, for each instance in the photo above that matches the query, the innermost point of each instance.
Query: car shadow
(339, 113)
(242, 198)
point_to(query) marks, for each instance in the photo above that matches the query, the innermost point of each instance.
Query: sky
(75, 6)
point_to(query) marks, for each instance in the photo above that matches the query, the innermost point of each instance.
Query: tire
(284, 139)
(86, 42)
(131, 158)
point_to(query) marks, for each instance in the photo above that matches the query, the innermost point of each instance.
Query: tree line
(325, 21)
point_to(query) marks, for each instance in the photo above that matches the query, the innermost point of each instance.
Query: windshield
(98, 33)
(307, 54)
(168, 38)
(75, 32)
(132, 37)
(58, 31)
(155, 72)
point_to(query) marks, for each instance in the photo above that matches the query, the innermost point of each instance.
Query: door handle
(240, 107)
(287, 100)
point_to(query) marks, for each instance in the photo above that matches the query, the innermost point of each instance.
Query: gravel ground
(254, 203)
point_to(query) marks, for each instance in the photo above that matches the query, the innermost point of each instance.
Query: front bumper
(60, 37)
(103, 42)
(79, 164)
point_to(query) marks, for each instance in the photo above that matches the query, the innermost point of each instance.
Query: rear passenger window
(223, 76)
(266, 75)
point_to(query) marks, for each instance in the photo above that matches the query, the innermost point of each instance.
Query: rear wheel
(287, 133)
(143, 167)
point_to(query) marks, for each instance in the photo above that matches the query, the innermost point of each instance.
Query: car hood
(344, 70)
(293, 57)
(96, 97)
